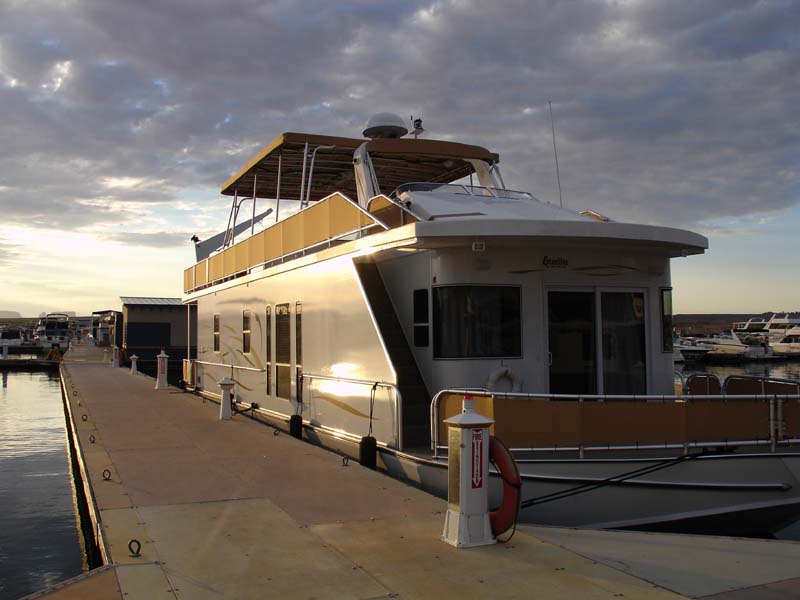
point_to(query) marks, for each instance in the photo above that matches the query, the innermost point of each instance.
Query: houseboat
(402, 273)
(53, 330)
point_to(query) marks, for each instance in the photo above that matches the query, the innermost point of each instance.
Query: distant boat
(53, 330)
(687, 351)
(12, 336)
(789, 345)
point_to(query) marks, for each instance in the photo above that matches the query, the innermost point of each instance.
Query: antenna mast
(555, 152)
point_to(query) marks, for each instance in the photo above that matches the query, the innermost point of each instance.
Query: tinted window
(476, 322)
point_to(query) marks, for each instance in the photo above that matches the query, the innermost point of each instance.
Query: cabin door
(571, 340)
(596, 341)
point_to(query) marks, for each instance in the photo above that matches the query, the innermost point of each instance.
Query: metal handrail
(227, 366)
(434, 409)
(398, 398)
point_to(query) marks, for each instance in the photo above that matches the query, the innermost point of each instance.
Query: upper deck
(348, 189)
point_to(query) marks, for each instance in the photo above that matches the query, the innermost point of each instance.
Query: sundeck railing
(397, 408)
(330, 220)
(592, 422)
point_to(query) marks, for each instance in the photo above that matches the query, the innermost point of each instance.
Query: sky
(119, 121)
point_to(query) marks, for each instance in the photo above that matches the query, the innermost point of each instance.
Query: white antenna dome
(384, 125)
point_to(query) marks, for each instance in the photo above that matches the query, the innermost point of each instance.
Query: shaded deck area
(230, 510)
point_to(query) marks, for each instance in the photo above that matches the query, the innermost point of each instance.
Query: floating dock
(28, 364)
(233, 509)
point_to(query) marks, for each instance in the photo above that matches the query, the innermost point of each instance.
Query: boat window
(666, 320)
(246, 331)
(283, 358)
(476, 322)
(421, 324)
(216, 333)
(268, 348)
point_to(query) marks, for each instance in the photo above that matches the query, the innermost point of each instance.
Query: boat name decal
(555, 262)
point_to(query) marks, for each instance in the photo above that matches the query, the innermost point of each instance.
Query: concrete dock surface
(230, 510)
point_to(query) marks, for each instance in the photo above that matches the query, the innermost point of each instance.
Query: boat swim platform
(227, 509)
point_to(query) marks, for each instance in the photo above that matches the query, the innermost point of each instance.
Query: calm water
(783, 369)
(39, 534)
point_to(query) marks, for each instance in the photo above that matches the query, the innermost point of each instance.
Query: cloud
(115, 115)
(151, 240)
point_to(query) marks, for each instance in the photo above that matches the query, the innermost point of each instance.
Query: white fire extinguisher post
(161, 375)
(105, 355)
(467, 520)
(134, 369)
(115, 364)
(226, 383)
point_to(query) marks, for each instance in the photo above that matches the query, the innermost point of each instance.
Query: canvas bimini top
(395, 162)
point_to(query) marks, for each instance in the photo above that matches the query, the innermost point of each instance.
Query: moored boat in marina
(53, 330)
(399, 283)
(789, 344)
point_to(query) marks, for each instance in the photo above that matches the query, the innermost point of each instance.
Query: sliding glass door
(571, 317)
(576, 321)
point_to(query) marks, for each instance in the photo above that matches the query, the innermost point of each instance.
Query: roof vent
(384, 126)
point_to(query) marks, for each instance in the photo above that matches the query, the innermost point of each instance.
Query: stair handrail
(398, 397)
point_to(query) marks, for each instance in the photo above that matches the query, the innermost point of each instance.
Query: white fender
(504, 373)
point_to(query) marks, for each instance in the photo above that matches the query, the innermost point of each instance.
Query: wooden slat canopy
(396, 161)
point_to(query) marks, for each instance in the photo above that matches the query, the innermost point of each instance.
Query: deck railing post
(772, 433)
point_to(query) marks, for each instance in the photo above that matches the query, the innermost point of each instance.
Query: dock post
(225, 404)
(105, 355)
(161, 373)
(134, 370)
(115, 362)
(5, 351)
(467, 520)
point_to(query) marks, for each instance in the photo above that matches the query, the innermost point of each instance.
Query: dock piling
(225, 405)
(161, 378)
(467, 520)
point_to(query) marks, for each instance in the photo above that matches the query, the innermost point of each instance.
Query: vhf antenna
(555, 152)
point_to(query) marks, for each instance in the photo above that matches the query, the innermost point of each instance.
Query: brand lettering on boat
(555, 262)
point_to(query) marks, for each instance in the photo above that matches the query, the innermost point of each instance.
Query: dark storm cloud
(665, 112)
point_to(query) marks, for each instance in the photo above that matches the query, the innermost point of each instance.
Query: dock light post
(134, 370)
(467, 520)
(5, 351)
(161, 374)
(105, 355)
(226, 384)
(115, 362)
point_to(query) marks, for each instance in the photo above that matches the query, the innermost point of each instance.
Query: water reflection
(39, 536)
(788, 369)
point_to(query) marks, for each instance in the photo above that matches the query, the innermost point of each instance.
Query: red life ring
(505, 517)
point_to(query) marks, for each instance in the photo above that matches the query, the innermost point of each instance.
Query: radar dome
(385, 125)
